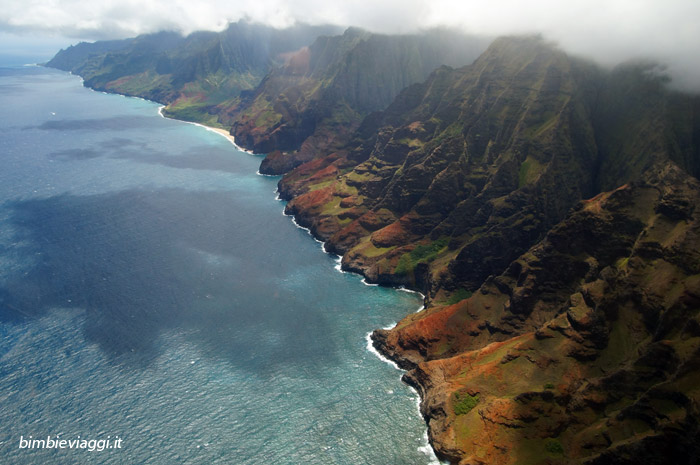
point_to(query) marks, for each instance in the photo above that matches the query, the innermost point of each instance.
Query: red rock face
(392, 235)
(297, 63)
(311, 202)
(595, 369)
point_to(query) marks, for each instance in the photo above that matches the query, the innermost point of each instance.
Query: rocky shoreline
(556, 351)
(569, 343)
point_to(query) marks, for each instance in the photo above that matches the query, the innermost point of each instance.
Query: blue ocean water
(152, 290)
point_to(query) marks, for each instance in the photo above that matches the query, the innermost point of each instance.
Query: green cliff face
(312, 104)
(192, 75)
(482, 160)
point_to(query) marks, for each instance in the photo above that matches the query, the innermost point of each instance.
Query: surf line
(219, 131)
(426, 447)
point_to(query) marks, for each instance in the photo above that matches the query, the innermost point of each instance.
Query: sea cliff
(544, 205)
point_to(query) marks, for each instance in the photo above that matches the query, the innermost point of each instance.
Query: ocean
(152, 292)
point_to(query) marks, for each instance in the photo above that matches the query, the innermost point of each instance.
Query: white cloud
(609, 30)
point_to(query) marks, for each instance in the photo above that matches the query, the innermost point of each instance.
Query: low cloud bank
(609, 31)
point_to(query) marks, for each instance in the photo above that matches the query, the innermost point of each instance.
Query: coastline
(428, 448)
(221, 132)
(534, 406)
(371, 347)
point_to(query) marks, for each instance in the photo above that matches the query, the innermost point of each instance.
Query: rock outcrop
(583, 351)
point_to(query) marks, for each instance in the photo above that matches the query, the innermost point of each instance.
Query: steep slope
(639, 122)
(192, 74)
(461, 174)
(585, 350)
(307, 107)
(550, 335)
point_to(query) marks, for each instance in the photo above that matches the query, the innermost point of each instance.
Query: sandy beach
(224, 133)
(227, 135)
(220, 131)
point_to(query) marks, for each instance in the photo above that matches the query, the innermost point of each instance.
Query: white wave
(410, 291)
(294, 221)
(258, 172)
(228, 137)
(372, 349)
(426, 448)
(339, 264)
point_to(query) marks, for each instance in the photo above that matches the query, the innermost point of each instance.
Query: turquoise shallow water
(151, 289)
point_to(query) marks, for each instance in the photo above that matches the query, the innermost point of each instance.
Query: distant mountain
(190, 74)
(324, 91)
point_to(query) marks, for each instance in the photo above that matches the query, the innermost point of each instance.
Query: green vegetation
(553, 446)
(424, 253)
(196, 112)
(404, 265)
(459, 295)
(372, 251)
(464, 403)
(549, 386)
(332, 207)
(268, 118)
(529, 171)
(427, 253)
(412, 143)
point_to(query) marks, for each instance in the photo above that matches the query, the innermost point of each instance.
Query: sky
(609, 31)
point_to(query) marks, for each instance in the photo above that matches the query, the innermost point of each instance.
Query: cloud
(607, 30)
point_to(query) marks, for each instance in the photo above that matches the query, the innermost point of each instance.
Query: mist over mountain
(608, 31)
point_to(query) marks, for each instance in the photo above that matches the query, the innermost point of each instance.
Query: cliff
(550, 335)
(317, 100)
(544, 205)
(584, 350)
(192, 75)
(460, 174)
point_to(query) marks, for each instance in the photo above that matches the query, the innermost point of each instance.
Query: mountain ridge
(191, 74)
(320, 97)
(544, 205)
